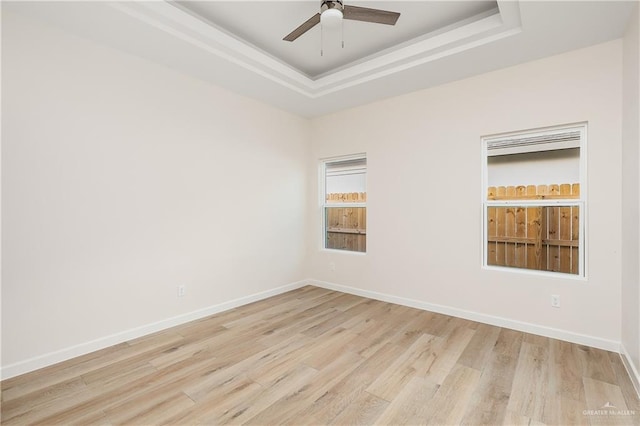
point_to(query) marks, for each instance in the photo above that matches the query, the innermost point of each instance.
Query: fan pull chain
(321, 39)
(342, 25)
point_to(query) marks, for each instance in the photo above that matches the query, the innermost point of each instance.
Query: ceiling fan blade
(365, 14)
(310, 23)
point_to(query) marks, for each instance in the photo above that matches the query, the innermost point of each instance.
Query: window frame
(322, 199)
(581, 202)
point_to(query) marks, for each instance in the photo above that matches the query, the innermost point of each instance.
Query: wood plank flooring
(315, 356)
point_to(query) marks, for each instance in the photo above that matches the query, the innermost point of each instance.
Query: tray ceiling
(264, 24)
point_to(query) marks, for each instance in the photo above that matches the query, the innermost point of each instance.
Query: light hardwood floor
(314, 356)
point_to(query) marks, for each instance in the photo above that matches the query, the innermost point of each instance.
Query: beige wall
(122, 179)
(631, 195)
(424, 192)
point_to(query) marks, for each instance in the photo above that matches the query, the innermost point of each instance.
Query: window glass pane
(343, 177)
(544, 238)
(346, 228)
(534, 168)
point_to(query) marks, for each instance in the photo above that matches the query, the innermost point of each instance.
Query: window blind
(348, 167)
(533, 143)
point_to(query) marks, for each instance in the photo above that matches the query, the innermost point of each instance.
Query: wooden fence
(347, 226)
(541, 238)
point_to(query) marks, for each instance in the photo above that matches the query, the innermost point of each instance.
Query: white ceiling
(238, 45)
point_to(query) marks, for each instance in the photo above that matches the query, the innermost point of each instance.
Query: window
(534, 200)
(344, 189)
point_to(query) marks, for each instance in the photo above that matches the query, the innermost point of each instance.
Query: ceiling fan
(332, 12)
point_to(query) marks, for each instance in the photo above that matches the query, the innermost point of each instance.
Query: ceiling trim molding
(478, 30)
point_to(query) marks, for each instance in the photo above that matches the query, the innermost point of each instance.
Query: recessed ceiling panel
(264, 24)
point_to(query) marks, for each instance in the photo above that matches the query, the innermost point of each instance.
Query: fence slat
(492, 232)
(532, 228)
(510, 228)
(510, 231)
(552, 227)
(575, 230)
(565, 231)
(534, 251)
(521, 232)
(500, 229)
(575, 236)
(491, 192)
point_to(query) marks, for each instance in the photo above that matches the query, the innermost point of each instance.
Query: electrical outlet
(182, 290)
(332, 266)
(555, 300)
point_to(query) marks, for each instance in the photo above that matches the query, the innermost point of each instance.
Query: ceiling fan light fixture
(331, 13)
(331, 17)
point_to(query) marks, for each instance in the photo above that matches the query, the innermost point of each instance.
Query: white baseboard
(631, 368)
(51, 358)
(582, 339)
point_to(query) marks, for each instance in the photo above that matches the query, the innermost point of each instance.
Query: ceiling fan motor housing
(331, 4)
